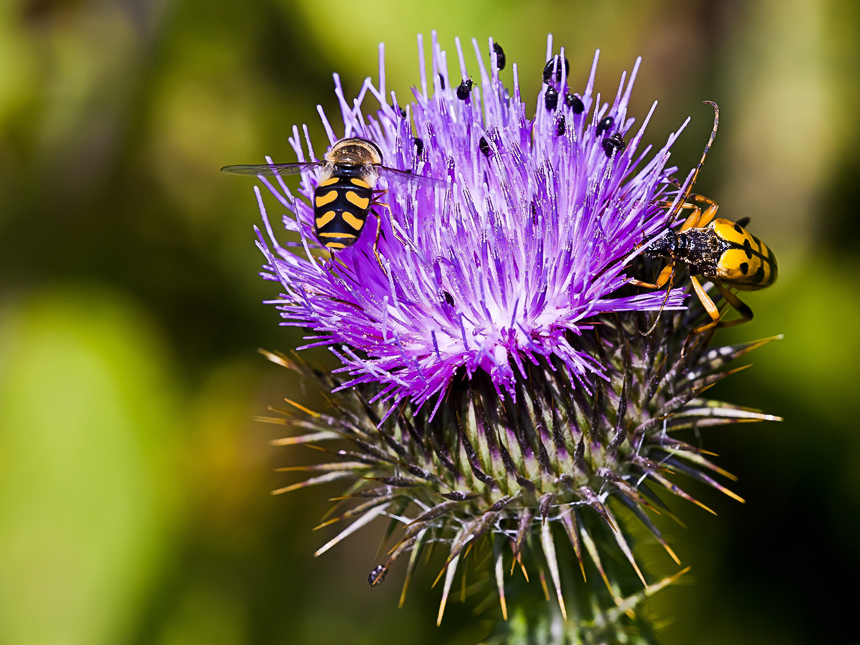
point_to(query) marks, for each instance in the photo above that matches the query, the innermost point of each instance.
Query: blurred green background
(134, 484)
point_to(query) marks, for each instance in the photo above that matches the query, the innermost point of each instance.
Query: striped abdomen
(746, 262)
(341, 205)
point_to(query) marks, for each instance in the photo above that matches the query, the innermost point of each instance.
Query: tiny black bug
(501, 59)
(604, 125)
(560, 125)
(464, 89)
(401, 110)
(484, 146)
(550, 99)
(547, 70)
(441, 81)
(376, 576)
(448, 298)
(613, 144)
(419, 146)
(574, 103)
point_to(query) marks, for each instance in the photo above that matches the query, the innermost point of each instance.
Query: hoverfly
(717, 249)
(345, 194)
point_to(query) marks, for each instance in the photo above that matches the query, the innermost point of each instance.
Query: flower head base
(516, 249)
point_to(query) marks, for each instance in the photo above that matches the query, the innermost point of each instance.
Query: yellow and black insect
(345, 194)
(714, 248)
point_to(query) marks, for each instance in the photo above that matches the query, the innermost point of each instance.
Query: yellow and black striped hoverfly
(717, 249)
(345, 194)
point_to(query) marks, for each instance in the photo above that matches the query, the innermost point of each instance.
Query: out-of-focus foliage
(134, 502)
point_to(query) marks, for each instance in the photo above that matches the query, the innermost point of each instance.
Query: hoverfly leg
(403, 241)
(376, 243)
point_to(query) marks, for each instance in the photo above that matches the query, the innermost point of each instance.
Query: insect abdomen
(341, 205)
(747, 263)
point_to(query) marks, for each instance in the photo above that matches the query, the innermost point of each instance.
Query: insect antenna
(713, 136)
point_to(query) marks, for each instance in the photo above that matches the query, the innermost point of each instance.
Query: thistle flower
(498, 389)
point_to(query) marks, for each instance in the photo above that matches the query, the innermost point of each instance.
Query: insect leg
(391, 220)
(738, 305)
(667, 272)
(376, 243)
(692, 221)
(666, 275)
(710, 213)
(708, 304)
(684, 206)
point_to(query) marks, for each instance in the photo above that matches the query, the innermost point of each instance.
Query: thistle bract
(500, 391)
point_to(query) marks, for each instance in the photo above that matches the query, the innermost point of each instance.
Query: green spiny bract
(542, 483)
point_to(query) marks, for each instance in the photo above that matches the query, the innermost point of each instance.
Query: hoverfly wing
(401, 177)
(271, 169)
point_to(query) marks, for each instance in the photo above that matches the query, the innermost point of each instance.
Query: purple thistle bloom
(524, 239)
(500, 286)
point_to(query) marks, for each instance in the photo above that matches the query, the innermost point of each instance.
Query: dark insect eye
(604, 125)
(441, 81)
(464, 89)
(574, 103)
(419, 146)
(560, 125)
(547, 70)
(550, 98)
(484, 146)
(501, 59)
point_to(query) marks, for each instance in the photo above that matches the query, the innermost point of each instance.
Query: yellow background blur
(134, 485)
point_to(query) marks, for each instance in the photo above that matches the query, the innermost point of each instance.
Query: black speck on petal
(484, 146)
(501, 59)
(464, 89)
(441, 81)
(614, 144)
(604, 125)
(574, 103)
(419, 146)
(560, 125)
(547, 70)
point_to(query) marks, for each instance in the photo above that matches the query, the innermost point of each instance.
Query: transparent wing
(272, 169)
(392, 175)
